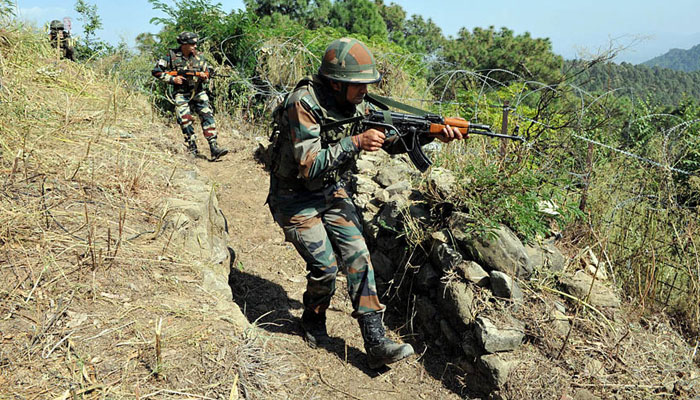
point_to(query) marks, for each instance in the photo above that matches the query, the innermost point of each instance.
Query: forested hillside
(678, 59)
(657, 85)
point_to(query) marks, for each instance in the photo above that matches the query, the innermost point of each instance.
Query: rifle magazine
(419, 158)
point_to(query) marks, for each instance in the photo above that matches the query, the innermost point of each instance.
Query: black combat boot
(380, 349)
(216, 151)
(314, 327)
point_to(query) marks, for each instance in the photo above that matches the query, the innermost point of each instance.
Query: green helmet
(187, 38)
(349, 60)
(56, 25)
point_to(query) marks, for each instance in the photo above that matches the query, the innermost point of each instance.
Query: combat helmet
(56, 25)
(187, 38)
(349, 60)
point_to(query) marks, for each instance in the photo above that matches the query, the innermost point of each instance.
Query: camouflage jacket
(176, 61)
(304, 156)
(60, 38)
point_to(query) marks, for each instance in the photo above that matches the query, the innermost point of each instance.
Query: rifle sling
(383, 103)
(336, 124)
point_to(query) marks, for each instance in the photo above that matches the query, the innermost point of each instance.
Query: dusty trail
(268, 280)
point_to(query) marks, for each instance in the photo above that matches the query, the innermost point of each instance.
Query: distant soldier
(60, 39)
(188, 72)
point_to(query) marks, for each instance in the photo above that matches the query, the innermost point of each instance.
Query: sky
(644, 28)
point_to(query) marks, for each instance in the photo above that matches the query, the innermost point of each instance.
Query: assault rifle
(409, 128)
(189, 73)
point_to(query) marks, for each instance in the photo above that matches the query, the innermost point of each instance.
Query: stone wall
(464, 287)
(200, 229)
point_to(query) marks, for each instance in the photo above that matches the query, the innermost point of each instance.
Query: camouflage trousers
(313, 222)
(200, 104)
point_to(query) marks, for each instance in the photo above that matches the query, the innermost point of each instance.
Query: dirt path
(268, 282)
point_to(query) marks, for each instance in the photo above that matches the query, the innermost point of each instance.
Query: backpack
(277, 152)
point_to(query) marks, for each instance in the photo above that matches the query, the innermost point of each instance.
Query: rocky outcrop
(200, 228)
(456, 277)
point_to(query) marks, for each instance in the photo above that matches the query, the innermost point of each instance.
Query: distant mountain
(656, 85)
(678, 59)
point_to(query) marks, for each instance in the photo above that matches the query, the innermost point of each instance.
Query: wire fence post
(587, 178)
(504, 127)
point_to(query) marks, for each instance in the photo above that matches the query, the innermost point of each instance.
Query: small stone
(473, 272)
(504, 286)
(494, 339)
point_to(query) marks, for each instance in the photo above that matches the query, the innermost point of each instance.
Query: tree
(358, 17)
(423, 36)
(311, 13)
(88, 16)
(90, 46)
(394, 17)
(491, 49)
(7, 8)
(146, 43)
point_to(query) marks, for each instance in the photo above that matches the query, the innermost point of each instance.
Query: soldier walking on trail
(60, 39)
(188, 72)
(308, 198)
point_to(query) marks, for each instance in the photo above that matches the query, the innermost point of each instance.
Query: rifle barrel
(494, 134)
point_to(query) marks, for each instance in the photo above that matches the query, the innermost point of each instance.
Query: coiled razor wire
(632, 155)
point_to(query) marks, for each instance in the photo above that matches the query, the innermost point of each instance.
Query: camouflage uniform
(61, 38)
(309, 200)
(191, 93)
(309, 197)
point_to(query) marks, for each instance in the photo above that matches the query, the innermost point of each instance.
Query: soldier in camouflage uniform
(188, 71)
(308, 196)
(60, 38)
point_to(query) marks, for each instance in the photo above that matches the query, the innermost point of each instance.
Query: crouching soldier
(310, 166)
(187, 70)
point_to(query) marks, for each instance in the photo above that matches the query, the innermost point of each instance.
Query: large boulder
(426, 278)
(384, 267)
(201, 228)
(390, 216)
(497, 367)
(456, 300)
(389, 176)
(427, 314)
(545, 256)
(473, 273)
(579, 285)
(365, 185)
(498, 250)
(444, 257)
(441, 181)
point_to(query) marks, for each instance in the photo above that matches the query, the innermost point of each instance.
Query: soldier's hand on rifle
(178, 80)
(450, 133)
(369, 140)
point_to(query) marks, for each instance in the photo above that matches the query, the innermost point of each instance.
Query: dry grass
(614, 354)
(86, 273)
